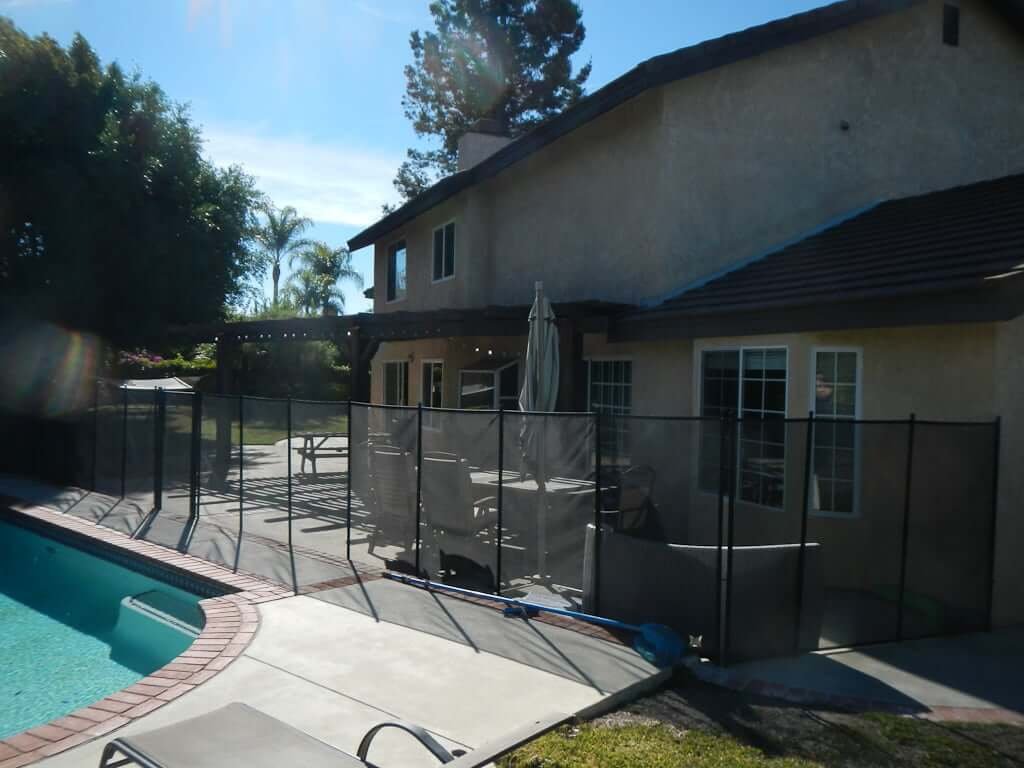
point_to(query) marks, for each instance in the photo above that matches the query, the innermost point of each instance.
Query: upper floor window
(396, 271)
(444, 252)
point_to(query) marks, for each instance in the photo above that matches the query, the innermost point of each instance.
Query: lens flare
(48, 370)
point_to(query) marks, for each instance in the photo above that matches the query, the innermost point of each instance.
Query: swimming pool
(75, 627)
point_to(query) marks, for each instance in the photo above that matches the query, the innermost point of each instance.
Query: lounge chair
(240, 735)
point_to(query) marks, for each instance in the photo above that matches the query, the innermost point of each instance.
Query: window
(396, 383)
(396, 271)
(490, 385)
(610, 392)
(433, 384)
(835, 397)
(444, 252)
(950, 25)
(720, 393)
(751, 383)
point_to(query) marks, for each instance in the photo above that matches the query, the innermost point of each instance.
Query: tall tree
(110, 218)
(279, 237)
(507, 60)
(314, 286)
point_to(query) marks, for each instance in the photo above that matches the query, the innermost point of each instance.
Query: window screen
(763, 428)
(396, 383)
(835, 408)
(752, 384)
(444, 251)
(432, 383)
(396, 271)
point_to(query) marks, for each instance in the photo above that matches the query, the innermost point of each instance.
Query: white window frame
(610, 359)
(496, 372)
(739, 406)
(433, 361)
(401, 380)
(443, 278)
(387, 272)
(858, 400)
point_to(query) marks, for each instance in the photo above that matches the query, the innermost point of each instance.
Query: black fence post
(348, 485)
(733, 461)
(95, 431)
(160, 398)
(597, 513)
(124, 438)
(241, 469)
(723, 481)
(501, 469)
(906, 526)
(996, 437)
(194, 470)
(288, 444)
(801, 562)
(419, 480)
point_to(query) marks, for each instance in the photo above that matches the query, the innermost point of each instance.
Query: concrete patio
(967, 677)
(335, 665)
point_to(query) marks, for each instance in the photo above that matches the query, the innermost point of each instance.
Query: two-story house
(821, 214)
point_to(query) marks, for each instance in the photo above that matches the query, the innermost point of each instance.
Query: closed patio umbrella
(539, 393)
(540, 385)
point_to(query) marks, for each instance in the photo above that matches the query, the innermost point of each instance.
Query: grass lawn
(652, 745)
(258, 431)
(692, 725)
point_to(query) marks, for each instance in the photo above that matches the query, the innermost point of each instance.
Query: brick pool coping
(231, 622)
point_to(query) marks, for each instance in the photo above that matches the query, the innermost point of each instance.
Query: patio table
(513, 482)
(313, 447)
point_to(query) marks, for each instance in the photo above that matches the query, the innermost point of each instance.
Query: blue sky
(306, 94)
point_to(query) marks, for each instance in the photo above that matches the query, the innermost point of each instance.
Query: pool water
(75, 627)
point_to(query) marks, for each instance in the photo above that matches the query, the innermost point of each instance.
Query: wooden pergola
(361, 334)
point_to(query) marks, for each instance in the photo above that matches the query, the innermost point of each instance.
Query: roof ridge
(650, 73)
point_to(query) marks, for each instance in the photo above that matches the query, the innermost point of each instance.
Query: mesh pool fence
(750, 537)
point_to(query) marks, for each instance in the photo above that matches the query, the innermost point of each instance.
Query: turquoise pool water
(75, 627)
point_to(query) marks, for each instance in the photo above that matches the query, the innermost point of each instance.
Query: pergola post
(359, 367)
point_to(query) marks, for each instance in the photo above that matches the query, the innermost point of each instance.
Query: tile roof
(950, 240)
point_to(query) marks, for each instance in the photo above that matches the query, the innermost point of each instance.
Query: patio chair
(240, 735)
(449, 502)
(393, 497)
(633, 505)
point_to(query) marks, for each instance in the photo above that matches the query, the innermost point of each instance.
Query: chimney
(483, 139)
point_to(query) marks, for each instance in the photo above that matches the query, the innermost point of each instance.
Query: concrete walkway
(334, 672)
(969, 677)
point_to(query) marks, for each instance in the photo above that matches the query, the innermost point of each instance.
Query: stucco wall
(939, 373)
(455, 353)
(713, 169)
(1009, 586)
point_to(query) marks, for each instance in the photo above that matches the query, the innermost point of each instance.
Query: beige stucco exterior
(702, 173)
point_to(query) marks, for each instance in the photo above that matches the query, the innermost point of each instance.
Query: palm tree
(279, 237)
(302, 291)
(315, 284)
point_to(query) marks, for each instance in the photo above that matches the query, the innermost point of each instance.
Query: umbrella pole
(542, 503)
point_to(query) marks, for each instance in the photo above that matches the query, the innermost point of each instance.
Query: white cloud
(324, 181)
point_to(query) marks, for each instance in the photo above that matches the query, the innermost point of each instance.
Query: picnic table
(314, 446)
